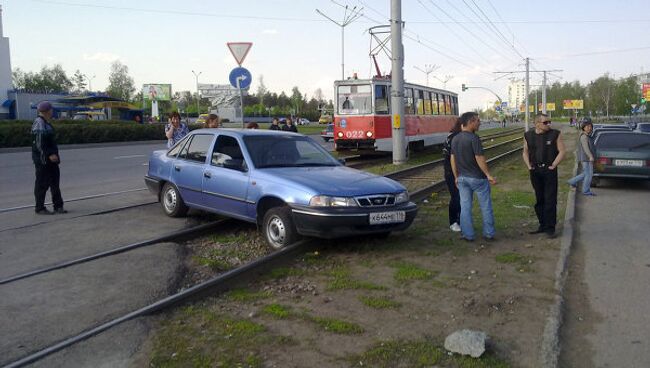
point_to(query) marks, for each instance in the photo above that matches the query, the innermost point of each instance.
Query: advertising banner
(573, 104)
(646, 91)
(157, 92)
(550, 106)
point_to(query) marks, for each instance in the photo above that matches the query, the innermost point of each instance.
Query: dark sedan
(621, 154)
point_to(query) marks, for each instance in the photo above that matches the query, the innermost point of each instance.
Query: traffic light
(463, 87)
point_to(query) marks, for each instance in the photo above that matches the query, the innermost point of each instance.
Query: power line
(570, 21)
(613, 51)
(498, 32)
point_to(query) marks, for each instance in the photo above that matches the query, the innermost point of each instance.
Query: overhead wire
(493, 27)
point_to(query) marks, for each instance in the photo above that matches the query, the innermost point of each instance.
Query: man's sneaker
(590, 194)
(44, 211)
(60, 211)
(455, 227)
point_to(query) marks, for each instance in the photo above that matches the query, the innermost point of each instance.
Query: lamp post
(90, 88)
(196, 75)
(349, 16)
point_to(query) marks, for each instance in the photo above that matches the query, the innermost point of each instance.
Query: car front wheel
(171, 201)
(278, 227)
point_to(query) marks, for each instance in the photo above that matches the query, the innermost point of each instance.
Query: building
(516, 93)
(5, 74)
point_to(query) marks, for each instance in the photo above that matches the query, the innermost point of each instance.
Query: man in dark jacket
(289, 126)
(45, 155)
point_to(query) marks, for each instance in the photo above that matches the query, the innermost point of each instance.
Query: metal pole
(397, 81)
(241, 102)
(196, 75)
(343, 53)
(527, 92)
(544, 93)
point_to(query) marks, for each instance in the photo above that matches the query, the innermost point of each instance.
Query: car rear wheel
(171, 201)
(278, 227)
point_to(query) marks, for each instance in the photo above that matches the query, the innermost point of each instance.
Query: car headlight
(401, 197)
(369, 134)
(340, 134)
(327, 201)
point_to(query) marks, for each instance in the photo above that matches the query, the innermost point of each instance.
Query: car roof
(247, 132)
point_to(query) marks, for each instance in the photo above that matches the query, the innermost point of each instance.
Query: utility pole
(348, 18)
(428, 69)
(397, 81)
(444, 82)
(90, 88)
(196, 75)
(527, 91)
(544, 93)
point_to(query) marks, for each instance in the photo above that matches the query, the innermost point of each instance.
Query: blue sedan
(284, 182)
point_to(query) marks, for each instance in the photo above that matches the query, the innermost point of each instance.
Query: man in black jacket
(45, 155)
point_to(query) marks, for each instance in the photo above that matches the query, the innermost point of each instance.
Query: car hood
(335, 180)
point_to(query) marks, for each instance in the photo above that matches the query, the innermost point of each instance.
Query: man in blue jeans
(472, 176)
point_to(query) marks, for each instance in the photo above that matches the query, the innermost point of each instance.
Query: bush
(18, 133)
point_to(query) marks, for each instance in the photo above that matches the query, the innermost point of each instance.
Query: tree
(318, 95)
(48, 80)
(261, 90)
(600, 94)
(296, 100)
(627, 93)
(120, 84)
(79, 81)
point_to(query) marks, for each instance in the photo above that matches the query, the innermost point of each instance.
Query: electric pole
(196, 75)
(397, 81)
(444, 82)
(349, 16)
(428, 69)
(527, 91)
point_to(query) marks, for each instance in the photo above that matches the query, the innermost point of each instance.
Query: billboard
(573, 104)
(646, 91)
(550, 106)
(157, 92)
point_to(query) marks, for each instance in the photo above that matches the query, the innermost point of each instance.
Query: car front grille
(378, 200)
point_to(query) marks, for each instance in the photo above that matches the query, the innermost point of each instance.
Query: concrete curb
(550, 351)
(84, 145)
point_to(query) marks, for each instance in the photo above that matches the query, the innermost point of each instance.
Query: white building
(516, 94)
(5, 73)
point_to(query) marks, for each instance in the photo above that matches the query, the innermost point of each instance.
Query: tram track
(217, 282)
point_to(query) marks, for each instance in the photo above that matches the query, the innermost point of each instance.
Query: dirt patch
(386, 302)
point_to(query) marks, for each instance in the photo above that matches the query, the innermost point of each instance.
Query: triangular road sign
(239, 50)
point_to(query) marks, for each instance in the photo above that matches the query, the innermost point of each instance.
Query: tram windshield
(354, 99)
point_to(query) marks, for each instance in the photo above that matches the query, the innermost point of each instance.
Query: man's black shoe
(538, 231)
(44, 211)
(550, 234)
(60, 211)
(489, 239)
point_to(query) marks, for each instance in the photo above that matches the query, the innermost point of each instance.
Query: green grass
(407, 272)
(282, 272)
(246, 295)
(379, 302)
(277, 311)
(342, 280)
(418, 354)
(337, 326)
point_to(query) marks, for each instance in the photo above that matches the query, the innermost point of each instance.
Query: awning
(7, 103)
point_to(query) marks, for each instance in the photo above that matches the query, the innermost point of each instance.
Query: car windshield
(354, 100)
(623, 141)
(286, 151)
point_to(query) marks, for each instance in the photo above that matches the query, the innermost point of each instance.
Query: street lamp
(90, 88)
(348, 18)
(196, 75)
(428, 69)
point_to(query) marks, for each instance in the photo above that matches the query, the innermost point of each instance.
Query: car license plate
(387, 217)
(636, 163)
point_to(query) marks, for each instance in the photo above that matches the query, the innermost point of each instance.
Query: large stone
(467, 342)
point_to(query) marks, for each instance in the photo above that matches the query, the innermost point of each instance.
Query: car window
(173, 152)
(287, 151)
(227, 149)
(623, 141)
(197, 149)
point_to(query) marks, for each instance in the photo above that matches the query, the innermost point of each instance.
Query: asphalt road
(607, 323)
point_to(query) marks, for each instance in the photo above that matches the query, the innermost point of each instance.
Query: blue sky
(163, 41)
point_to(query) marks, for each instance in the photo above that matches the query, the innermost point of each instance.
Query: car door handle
(207, 174)
(177, 168)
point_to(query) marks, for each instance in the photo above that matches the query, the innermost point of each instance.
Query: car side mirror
(235, 164)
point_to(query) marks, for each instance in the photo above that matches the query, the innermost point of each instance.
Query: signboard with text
(157, 92)
(573, 104)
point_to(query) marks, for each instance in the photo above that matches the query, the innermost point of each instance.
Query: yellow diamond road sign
(239, 50)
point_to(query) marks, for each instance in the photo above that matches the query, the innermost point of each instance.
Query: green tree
(120, 84)
(600, 95)
(48, 80)
(297, 101)
(79, 81)
(261, 90)
(627, 93)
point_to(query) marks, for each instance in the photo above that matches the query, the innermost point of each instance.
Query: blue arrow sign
(241, 74)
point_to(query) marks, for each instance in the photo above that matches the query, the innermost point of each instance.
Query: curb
(550, 351)
(85, 145)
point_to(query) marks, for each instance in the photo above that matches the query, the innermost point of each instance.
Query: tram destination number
(378, 218)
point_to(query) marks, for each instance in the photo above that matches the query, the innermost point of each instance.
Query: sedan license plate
(635, 163)
(387, 217)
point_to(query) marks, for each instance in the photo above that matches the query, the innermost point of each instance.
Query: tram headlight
(340, 134)
(401, 197)
(327, 201)
(369, 134)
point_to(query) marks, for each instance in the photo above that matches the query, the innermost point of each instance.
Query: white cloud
(104, 57)
(270, 31)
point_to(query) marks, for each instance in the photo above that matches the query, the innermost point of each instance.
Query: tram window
(434, 103)
(381, 100)
(427, 103)
(448, 105)
(420, 102)
(454, 101)
(408, 101)
(354, 99)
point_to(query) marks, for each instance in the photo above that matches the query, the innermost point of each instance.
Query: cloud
(104, 57)
(270, 31)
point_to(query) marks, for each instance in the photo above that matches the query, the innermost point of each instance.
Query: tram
(362, 115)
